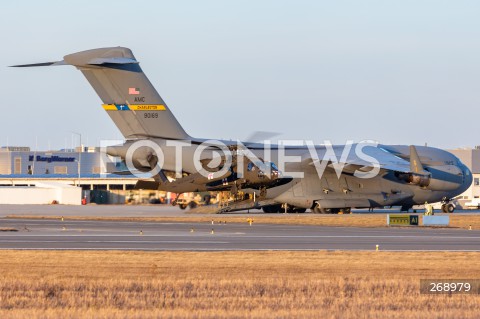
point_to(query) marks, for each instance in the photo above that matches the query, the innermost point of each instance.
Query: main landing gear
(448, 208)
(318, 210)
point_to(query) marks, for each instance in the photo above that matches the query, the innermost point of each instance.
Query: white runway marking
(219, 234)
(253, 249)
(119, 241)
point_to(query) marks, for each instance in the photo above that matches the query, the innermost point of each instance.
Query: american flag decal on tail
(133, 91)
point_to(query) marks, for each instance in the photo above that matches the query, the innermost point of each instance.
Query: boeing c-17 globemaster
(323, 178)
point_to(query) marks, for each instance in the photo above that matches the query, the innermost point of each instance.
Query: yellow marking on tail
(134, 107)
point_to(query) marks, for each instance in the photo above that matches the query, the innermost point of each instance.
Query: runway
(145, 211)
(154, 236)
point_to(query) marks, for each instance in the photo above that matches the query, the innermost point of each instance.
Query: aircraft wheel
(182, 206)
(444, 208)
(192, 205)
(290, 209)
(317, 210)
(277, 209)
(272, 209)
(346, 210)
(334, 210)
(405, 208)
(449, 208)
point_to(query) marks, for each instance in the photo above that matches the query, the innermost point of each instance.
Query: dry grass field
(93, 284)
(352, 220)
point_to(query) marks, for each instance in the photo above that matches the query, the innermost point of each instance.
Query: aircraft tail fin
(128, 96)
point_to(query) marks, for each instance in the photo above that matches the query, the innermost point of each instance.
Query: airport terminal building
(22, 161)
(23, 172)
(86, 167)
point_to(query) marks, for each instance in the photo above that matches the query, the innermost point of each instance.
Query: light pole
(79, 156)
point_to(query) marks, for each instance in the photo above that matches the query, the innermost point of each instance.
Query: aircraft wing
(387, 161)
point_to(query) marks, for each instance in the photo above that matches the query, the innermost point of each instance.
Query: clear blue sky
(400, 72)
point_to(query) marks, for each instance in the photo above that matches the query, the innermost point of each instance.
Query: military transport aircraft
(324, 178)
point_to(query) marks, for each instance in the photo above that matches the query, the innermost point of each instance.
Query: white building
(41, 177)
(41, 193)
(471, 158)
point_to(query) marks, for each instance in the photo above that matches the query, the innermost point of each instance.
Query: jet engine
(421, 180)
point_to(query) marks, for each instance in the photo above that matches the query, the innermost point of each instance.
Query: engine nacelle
(415, 179)
(142, 159)
(420, 180)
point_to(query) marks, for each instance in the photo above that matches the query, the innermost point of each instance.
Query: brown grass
(352, 220)
(53, 284)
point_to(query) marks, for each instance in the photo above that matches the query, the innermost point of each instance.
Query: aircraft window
(459, 162)
(261, 166)
(250, 166)
(272, 165)
(476, 181)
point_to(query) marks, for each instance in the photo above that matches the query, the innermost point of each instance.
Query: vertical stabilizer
(127, 95)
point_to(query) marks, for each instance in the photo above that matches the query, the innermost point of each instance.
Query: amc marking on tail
(134, 107)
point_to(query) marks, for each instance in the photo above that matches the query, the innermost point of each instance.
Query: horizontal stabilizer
(96, 61)
(39, 64)
(114, 60)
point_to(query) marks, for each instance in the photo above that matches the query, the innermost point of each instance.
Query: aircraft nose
(467, 178)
